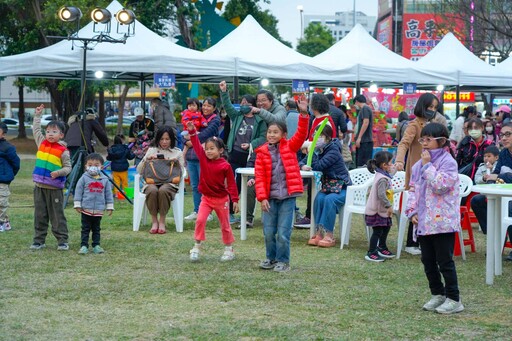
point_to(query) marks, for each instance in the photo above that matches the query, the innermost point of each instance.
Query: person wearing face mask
(93, 195)
(247, 132)
(335, 179)
(470, 151)
(490, 133)
(409, 149)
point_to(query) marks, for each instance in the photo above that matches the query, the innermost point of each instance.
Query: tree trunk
(56, 96)
(101, 107)
(122, 100)
(22, 133)
(183, 25)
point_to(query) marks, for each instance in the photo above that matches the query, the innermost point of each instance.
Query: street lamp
(301, 13)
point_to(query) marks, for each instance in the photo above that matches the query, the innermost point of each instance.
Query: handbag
(332, 185)
(161, 171)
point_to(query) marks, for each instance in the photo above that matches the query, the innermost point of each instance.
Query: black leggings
(378, 238)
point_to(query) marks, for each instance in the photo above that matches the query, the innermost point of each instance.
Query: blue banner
(299, 85)
(164, 80)
(409, 88)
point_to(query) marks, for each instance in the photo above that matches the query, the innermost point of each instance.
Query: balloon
(315, 138)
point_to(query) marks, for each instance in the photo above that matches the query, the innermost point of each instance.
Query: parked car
(14, 124)
(45, 119)
(112, 121)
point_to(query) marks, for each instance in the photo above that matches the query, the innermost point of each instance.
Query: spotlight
(373, 88)
(440, 87)
(98, 74)
(100, 15)
(67, 13)
(264, 82)
(125, 16)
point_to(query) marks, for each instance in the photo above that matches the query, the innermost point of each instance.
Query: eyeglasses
(428, 139)
(507, 134)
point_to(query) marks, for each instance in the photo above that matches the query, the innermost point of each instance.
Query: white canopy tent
(257, 55)
(358, 57)
(142, 55)
(450, 57)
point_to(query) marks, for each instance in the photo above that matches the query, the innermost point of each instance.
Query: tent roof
(259, 54)
(142, 55)
(452, 58)
(359, 57)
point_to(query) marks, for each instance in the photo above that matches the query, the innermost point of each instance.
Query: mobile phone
(159, 156)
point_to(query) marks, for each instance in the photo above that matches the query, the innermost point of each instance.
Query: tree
(490, 30)
(242, 8)
(317, 39)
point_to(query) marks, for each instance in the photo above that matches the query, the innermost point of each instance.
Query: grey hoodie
(94, 195)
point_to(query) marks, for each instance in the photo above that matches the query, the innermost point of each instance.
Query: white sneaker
(191, 216)
(2, 227)
(228, 255)
(450, 307)
(194, 253)
(210, 217)
(413, 250)
(434, 302)
(7, 226)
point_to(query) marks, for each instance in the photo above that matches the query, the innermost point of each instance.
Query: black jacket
(74, 135)
(338, 118)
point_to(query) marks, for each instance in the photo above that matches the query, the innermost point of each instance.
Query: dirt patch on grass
(24, 146)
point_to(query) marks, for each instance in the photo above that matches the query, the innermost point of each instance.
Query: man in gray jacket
(162, 114)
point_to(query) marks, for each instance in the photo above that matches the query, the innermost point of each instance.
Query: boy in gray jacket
(93, 195)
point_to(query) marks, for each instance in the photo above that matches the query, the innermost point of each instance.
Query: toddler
(119, 154)
(491, 155)
(194, 115)
(9, 167)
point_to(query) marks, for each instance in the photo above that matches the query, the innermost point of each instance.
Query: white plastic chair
(465, 186)
(355, 201)
(139, 206)
(505, 219)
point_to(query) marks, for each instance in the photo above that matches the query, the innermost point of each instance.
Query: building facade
(341, 23)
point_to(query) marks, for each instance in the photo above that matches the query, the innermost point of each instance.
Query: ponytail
(380, 158)
(371, 165)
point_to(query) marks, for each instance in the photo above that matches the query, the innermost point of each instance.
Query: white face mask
(320, 143)
(488, 129)
(475, 133)
(93, 170)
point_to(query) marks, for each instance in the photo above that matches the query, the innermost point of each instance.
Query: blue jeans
(277, 229)
(193, 174)
(326, 206)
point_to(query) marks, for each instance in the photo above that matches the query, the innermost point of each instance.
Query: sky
(289, 16)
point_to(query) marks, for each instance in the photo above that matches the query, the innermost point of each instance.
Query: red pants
(221, 208)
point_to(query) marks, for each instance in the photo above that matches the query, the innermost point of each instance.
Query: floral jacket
(434, 195)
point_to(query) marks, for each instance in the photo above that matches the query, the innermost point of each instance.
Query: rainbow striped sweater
(50, 157)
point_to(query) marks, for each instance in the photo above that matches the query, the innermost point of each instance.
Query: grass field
(145, 288)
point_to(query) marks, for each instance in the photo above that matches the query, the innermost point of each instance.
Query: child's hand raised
(39, 110)
(302, 105)
(425, 157)
(223, 86)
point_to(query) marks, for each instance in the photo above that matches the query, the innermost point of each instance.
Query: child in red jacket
(216, 184)
(278, 184)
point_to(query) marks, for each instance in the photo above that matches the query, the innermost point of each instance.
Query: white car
(14, 124)
(112, 121)
(45, 119)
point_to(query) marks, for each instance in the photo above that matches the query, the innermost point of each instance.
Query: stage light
(99, 74)
(373, 88)
(100, 15)
(440, 87)
(125, 16)
(264, 82)
(68, 13)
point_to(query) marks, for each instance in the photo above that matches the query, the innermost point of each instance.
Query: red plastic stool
(465, 224)
(472, 216)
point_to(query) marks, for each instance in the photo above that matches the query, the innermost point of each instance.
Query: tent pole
(358, 88)
(143, 94)
(236, 90)
(457, 101)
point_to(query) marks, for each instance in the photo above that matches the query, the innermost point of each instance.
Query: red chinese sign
(422, 32)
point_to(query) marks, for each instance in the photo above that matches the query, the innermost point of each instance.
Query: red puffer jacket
(288, 151)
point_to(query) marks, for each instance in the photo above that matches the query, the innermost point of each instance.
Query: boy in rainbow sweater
(53, 163)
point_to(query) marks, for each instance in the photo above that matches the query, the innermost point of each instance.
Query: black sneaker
(268, 264)
(385, 253)
(509, 257)
(374, 257)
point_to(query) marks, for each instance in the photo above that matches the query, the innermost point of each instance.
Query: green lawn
(145, 288)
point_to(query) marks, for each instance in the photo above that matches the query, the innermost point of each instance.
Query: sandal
(154, 229)
(161, 230)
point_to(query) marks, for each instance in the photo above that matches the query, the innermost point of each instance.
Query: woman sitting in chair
(159, 197)
(327, 159)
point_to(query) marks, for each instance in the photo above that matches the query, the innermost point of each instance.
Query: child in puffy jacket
(119, 154)
(278, 184)
(433, 207)
(9, 167)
